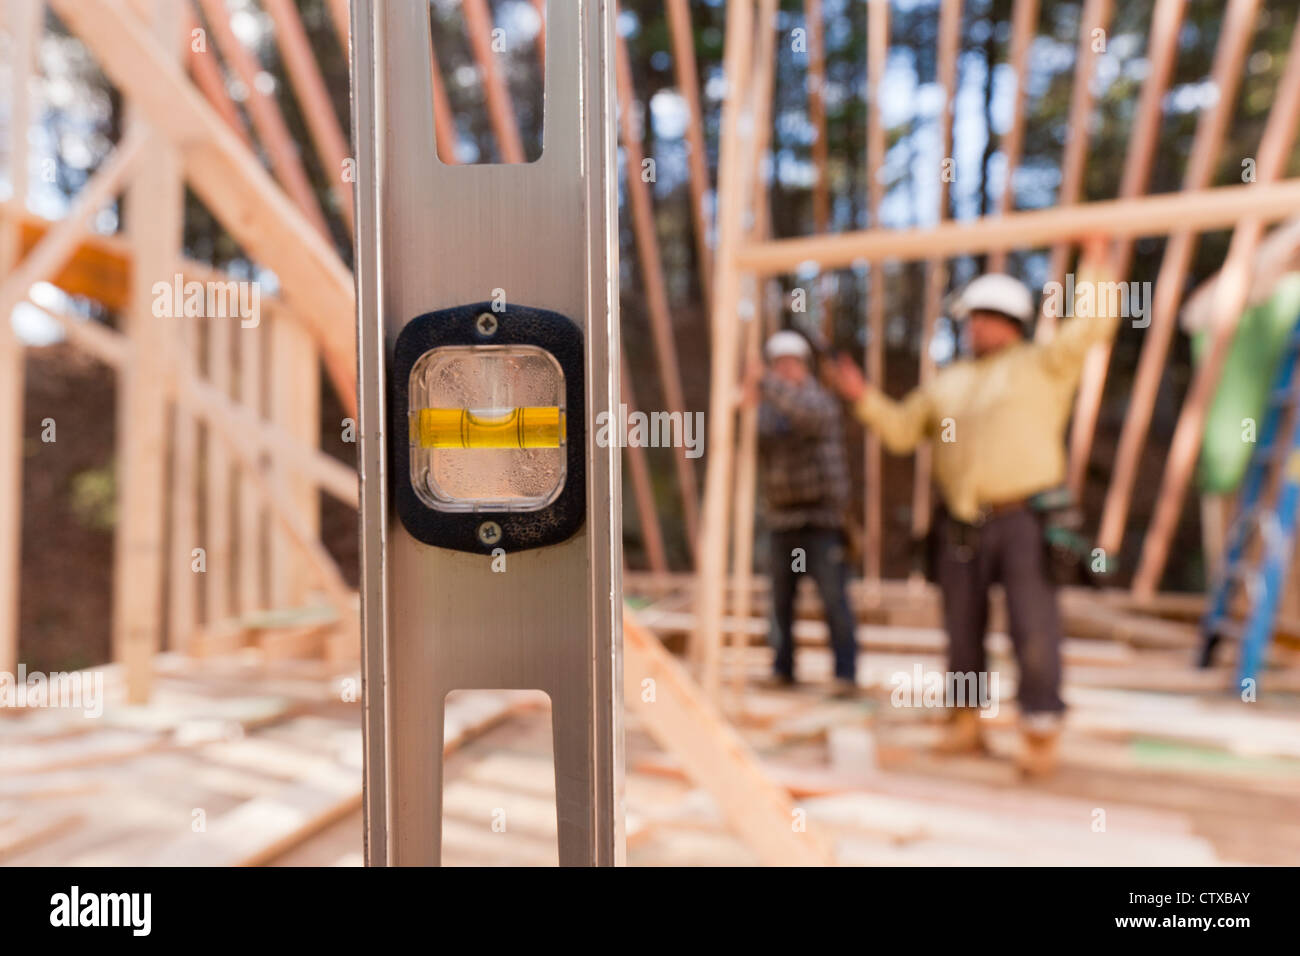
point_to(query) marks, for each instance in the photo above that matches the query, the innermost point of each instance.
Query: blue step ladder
(1264, 578)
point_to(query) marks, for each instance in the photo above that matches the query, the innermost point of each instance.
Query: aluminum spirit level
(487, 310)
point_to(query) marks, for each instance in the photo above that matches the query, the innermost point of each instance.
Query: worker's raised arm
(808, 409)
(901, 425)
(1065, 353)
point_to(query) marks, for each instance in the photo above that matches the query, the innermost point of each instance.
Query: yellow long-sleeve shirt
(997, 423)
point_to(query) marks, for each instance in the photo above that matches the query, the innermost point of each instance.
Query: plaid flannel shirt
(804, 473)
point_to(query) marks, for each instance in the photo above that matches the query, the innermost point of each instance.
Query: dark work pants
(821, 552)
(1006, 549)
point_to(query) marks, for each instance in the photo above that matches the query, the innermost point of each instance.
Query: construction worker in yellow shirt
(996, 423)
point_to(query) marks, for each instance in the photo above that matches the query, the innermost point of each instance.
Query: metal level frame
(432, 236)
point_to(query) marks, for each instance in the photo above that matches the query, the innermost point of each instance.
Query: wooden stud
(207, 76)
(821, 191)
(874, 360)
(341, 16)
(216, 541)
(654, 284)
(642, 486)
(313, 99)
(733, 198)
(1024, 27)
(1234, 41)
(154, 212)
(1232, 290)
(230, 181)
(1165, 27)
(742, 546)
(182, 581)
(24, 22)
(251, 566)
(936, 270)
(445, 136)
(266, 115)
(294, 407)
(1095, 16)
(501, 111)
(1093, 268)
(688, 85)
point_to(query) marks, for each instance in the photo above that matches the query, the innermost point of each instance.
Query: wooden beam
(642, 486)
(265, 113)
(1094, 16)
(231, 431)
(874, 360)
(1197, 210)
(501, 111)
(217, 540)
(100, 266)
(733, 199)
(268, 439)
(207, 75)
(293, 403)
(182, 582)
(251, 566)
(1024, 27)
(92, 337)
(24, 24)
(154, 212)
(57, 247)
(294, 407)
(1229, 57)
(1165, 28)
(313, 99)
(230, 181)
(679, 717)
(540, 7)
(654, 284)
(1093, 268)
(1232, 290)
(688, 85)
(816, 89)
(341, 17)
(936, 270)
(446, 138)
(742, 541)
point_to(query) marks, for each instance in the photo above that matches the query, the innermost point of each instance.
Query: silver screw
(487, 323)
(489, 532)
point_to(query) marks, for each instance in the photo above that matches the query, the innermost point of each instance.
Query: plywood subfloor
(237, 765)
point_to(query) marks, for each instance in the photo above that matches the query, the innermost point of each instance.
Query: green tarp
(1248, 376)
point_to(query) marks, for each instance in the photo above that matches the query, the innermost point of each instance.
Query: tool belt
(1070, 557)
(1067, 555)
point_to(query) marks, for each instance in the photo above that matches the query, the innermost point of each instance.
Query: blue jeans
(821, 552)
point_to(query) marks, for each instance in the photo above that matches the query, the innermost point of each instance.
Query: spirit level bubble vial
(487, 315)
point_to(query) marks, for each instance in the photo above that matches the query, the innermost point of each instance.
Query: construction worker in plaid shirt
(804, 477)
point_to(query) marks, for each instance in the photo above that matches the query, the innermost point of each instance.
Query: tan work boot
(1040, 752)
(963, 735)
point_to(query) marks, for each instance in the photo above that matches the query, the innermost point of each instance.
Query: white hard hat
(996, 292)
(785, 343)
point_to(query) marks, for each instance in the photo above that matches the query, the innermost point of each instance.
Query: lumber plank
(680, 718)
(230, 181)
(1196, 210)
(154, 208)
